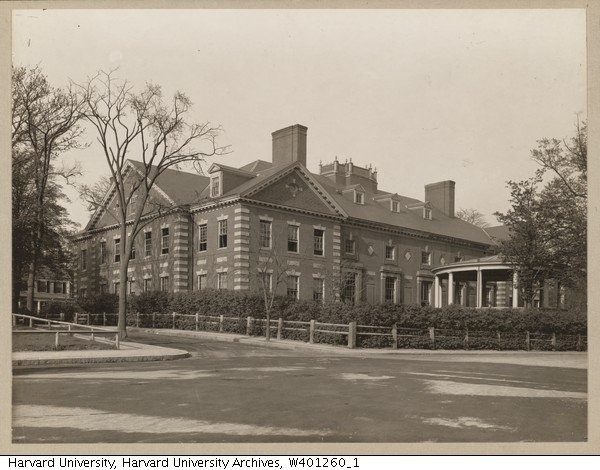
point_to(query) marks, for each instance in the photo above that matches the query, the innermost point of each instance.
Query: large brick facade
(332, 235)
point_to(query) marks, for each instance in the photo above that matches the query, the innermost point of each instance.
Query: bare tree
(44, 125)
(473, 216)
(158, 133)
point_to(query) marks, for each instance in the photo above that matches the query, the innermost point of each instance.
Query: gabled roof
(498, 233)
(177, 186)
(256, 166)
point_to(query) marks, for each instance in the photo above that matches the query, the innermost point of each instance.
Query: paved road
(231, 392)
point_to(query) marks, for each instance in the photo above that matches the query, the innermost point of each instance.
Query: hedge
(487, 328)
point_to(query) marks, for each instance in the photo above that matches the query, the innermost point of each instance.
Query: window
(59, 287)
(390, 252)
(427, 213)
(117, 250)
(349, 288)
(102, 252)
(359, 198)
(104, 288)
(266, 281)
(215, 187)
(84, 259)
(221, 280)
(148, 243)
(395, 206)
(148, 284)
(318, 288)
(425, 293)
(201, 281)
(116, 287)
(349, 247)
(318, 241)
(164, 241)
(130, 286)
(293, 238)
(390, 289)
(425, 258)
(43, 286)
(265, 234)
(132, 256)
(292, 287)
(222, 233)
(164, 283)
(202, 237)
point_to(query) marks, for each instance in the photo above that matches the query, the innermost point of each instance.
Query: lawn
(45, 342)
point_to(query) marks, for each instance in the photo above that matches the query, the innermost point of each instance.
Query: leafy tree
(44, 125)
(473, 216)
(157, 132)
(548, 218)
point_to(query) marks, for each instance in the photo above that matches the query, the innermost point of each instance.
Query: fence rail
(398, 336)
(71, 328)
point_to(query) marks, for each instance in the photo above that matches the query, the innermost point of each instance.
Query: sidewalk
(568, 359)
(128, 352)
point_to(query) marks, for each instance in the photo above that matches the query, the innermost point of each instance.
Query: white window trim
(219, 177)
(270, 222)
(317, 227)
(297, 225)
(356, 193)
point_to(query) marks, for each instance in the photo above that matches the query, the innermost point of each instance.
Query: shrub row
(242, 305)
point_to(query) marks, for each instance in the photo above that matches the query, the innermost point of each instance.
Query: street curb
(132, 352)
(290, 344)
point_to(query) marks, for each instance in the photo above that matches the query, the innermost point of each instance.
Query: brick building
(329, 235)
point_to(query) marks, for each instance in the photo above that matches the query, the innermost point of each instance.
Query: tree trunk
(31, 286)
(122, 321)
(268, 332)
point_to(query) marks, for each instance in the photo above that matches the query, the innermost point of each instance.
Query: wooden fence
(396, 336)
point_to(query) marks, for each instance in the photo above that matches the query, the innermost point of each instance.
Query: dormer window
(359, 198)
(395, 206)
(426, 213)
(215, 186)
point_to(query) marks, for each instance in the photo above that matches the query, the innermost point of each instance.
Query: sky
(423, 95)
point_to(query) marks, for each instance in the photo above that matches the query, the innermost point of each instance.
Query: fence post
(467, 339)
(69, 327)
(279, 327)
(394, 336)
(62, 316)
(173, 320)
(221, 321)
(153, 319)
(352, 334)
(432, 336)
(31, 323)
(92, 334)
(311, 332)
(76, 318)
(249, 326)
(14, 320)
(137, 319)
(103, 318)
(88, 319)
(117, 341)
(196, 321)
(553, 341)
(56, 340)
(527, 341)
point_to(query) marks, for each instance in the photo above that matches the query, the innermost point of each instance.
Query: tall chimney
(289, 145)
(441, 196)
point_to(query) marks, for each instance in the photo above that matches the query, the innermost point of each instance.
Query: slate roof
(181, 186)
(189, 188)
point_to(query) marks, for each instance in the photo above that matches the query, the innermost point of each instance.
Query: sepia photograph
(295, 225)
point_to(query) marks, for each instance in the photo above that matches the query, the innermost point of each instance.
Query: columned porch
(479, 283)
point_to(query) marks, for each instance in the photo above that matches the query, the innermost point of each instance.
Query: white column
(479, 288)
(437, 292)
(450, 288)
(515, 296)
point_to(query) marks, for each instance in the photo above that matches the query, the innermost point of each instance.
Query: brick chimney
(289, 145)
(441, 196)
